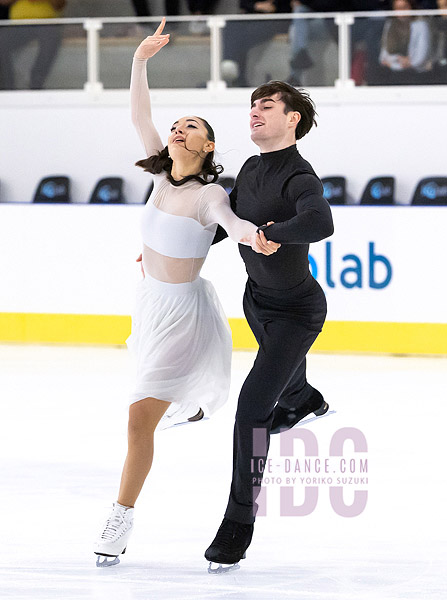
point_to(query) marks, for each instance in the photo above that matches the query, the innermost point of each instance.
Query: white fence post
(344, 23)
(216, 24)
(93, 27)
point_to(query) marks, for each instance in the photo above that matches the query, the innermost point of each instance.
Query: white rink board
(413, 242)
(81, 260)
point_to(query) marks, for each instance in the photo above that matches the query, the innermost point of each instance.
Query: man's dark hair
(295, 100)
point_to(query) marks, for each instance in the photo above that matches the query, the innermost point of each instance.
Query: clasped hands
(260, 244)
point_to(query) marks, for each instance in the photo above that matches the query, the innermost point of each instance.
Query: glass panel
(183, 63)
(384, 51)
(302, 52)
(314, 52)
(254, 52)
(440, 50)
(51, 57)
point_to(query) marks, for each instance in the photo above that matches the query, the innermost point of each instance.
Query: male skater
(284, 305)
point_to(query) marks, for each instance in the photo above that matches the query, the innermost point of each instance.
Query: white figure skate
(113, 540)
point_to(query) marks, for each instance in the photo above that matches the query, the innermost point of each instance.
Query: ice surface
(63, 442)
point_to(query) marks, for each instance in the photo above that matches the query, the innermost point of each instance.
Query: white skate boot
(113, 540)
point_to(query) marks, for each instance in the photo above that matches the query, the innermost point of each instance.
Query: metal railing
(343, 23)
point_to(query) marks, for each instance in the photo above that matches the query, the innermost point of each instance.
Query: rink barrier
(337, 336)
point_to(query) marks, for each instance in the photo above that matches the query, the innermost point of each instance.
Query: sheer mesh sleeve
(215, 208)
(141, 108)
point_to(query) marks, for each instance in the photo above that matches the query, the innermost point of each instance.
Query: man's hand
(140, 260)
(153, 43)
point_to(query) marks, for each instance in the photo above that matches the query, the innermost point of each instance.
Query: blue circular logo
(429, 190)
(328, 191)
(49, 189)
(377, 190)
(105, 193)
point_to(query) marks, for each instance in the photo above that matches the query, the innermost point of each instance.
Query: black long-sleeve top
(282, 187)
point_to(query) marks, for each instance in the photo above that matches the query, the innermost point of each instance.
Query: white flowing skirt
(182, 343)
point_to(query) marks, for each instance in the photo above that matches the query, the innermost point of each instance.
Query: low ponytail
(157, 163)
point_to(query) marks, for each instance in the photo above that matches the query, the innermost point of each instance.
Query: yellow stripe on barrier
(361, 336)
(64, 329)
(337, 336)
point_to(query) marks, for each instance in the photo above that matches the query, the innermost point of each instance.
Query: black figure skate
(284, 418)
(229, 546)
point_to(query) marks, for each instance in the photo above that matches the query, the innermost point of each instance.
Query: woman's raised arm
(139, 91)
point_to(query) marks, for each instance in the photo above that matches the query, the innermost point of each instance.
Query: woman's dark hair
(163, 162)
(294, 100)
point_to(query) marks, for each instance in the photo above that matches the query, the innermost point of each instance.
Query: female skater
(179, 334)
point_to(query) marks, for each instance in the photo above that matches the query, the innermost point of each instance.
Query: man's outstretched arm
(313, 221)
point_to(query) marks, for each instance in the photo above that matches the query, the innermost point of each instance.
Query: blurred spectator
(299, 35)
(4, 9)
(200, 7)
(240, 36)
(141, 8)
(406, 51)
(172, 9)
(440, 55)
(365, 35)
(48, 37)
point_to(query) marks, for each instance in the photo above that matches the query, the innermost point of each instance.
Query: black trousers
(285, 324)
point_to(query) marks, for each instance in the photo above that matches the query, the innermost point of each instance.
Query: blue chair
(108, 190)
(53, 190)
(379, 191)
(430, 191)
(149, 191)
(334, 189)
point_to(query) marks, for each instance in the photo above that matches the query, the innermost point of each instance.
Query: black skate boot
(284, 418)
(229, 546)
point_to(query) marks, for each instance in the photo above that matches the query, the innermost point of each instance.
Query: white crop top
(179, 223)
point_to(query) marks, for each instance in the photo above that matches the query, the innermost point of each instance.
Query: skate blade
(105, 562)
(168, 422)
(306, 421)
(187, 422)
(222, 569)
